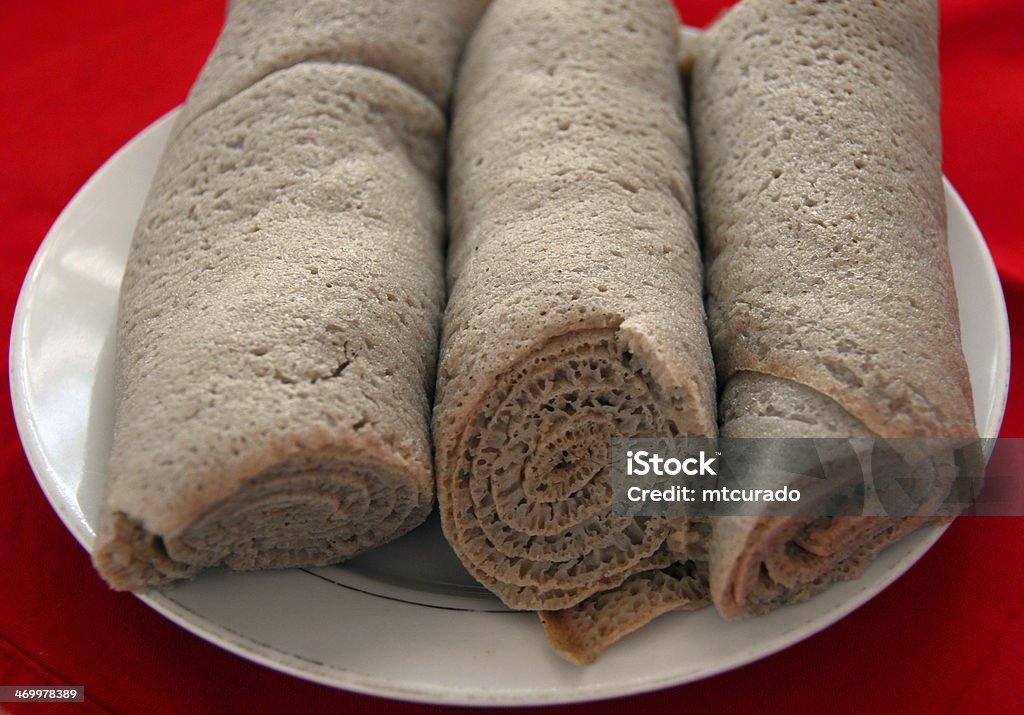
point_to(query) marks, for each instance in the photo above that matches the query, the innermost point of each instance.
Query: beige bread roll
(760, 563)
(280, 307)
(418, 41)
(575, 312)
(831, 300)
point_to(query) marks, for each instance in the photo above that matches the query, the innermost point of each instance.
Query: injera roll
(575, 313)
(831, 301)
(277, 332)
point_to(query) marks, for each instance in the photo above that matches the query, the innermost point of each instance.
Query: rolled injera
(831, 301)
(575, 313)
(277, 327)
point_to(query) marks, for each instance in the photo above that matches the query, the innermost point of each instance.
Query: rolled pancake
(831, 302)
(418, 41)
(277, 332)
(575, 313)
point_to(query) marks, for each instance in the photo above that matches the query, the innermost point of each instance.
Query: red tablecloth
(79, 78)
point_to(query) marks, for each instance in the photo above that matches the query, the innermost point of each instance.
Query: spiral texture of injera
(575, 312)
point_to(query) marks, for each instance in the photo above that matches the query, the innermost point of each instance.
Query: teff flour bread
(831, 301)
(575, 311)
(279, 311)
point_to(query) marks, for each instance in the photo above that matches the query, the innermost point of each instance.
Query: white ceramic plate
(404, 621)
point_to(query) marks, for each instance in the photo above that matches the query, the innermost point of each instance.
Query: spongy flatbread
(575, 311)
(760, 563)
(581, 632)
(821, 196)
(831, 300)
(277, 328)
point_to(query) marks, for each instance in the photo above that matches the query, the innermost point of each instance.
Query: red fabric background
(78, 79)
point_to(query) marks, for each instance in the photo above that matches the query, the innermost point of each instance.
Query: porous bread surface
(755, 405)
(819, 156)
(831, 305)
(418, 41)
(575, 312)
(581, 632)
(760, 563)
(277, 332)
